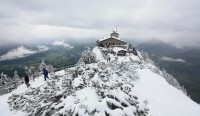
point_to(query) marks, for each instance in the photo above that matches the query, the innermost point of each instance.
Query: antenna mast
(116, 28)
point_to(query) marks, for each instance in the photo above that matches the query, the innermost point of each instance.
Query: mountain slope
(164, 99)
(126, 86)
(183, 63)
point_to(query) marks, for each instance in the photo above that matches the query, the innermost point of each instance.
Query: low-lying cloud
(62, 43)
(168, 59)
(42, 48)
(19, 52)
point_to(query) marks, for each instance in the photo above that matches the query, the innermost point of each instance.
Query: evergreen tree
(42, 65)
(2, 79)
(172, 81)
(50, 69)
(88, 56)
(16, 76)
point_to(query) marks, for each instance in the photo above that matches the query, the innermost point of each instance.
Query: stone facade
(113, 40)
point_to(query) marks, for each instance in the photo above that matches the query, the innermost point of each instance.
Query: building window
(101, 45)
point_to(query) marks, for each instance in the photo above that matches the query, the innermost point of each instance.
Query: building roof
(103, 39)
(113, 35)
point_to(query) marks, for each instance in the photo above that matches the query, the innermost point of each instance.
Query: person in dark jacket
(45, 72)
(26, 79)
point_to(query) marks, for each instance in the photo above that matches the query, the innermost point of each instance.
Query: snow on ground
(100, 57)
(98, 53)
(4, 107)
(117, 49)
(60, 73)
(164, 99)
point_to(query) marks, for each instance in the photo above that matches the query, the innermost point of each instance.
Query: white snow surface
(163, 99)
(117, 49)
(97, 51)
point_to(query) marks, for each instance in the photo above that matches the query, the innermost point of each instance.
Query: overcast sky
(174, 21)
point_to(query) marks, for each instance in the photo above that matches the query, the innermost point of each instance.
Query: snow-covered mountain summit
(124, 86)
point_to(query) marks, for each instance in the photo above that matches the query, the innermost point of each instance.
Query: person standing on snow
(108, 58)
(26, 79)
(45, 72)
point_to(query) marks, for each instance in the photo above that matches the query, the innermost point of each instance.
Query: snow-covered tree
(172, 81)
(33, 72)
(8, 84)
(88, 56)
(26, 70)
(50, 69)
(2, 79)
(6, 78)
(16, 80)
(145, 57)
(42, 65)
(16, 76)
(109, 86)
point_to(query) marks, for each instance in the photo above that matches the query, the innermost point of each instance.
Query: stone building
(112, 40)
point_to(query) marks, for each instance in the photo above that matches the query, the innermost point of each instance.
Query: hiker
(26, 79)
(109, 58)
(45, 72)
(106, 57)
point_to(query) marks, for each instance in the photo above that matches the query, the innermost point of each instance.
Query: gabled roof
(104, 39)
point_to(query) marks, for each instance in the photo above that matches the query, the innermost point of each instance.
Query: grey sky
(174, 21)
